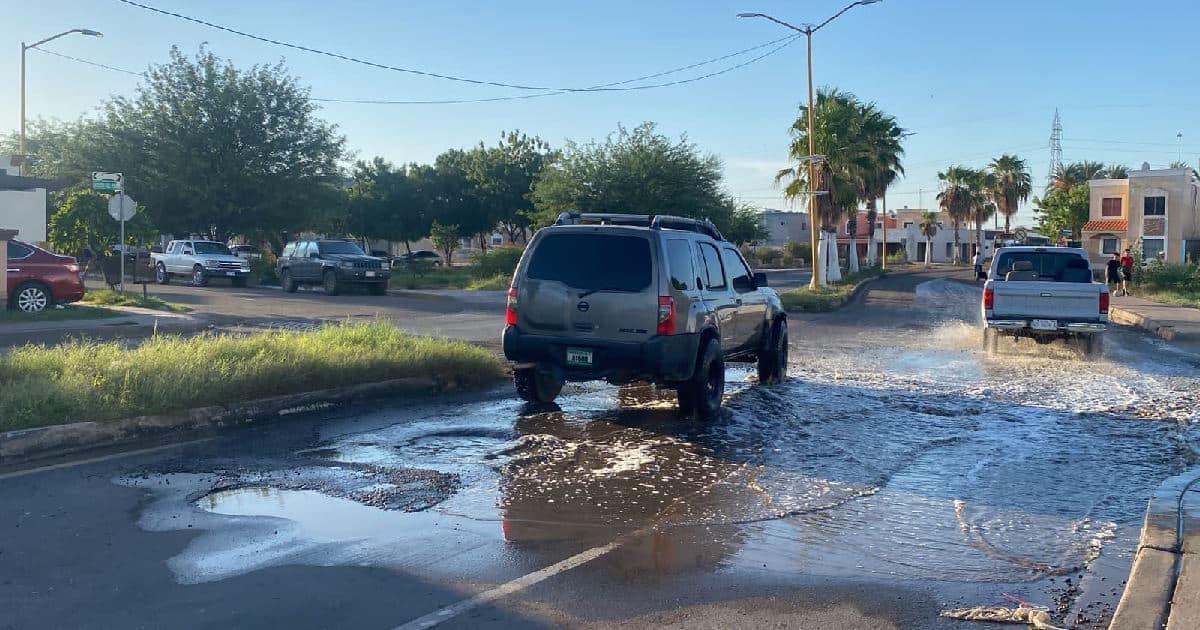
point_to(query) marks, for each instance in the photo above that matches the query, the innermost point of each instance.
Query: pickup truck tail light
(510, 309)
(1104, 303)
(989, 299)
(666, 315)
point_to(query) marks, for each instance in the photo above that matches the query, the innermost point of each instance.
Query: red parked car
(38, 279)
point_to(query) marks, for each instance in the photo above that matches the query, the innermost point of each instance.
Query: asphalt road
(897, 473)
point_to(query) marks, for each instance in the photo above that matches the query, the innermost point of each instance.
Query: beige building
(1156, 209)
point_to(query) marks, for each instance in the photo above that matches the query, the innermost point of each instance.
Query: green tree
(446, 239)
(1116, 171)
(58, 150)
(929, 229)
(503, 176)
(1060, 210)
(1067, 176)
(1012, 186)
(960, 196)
(81, 222)
(388, 202)
(213, 149)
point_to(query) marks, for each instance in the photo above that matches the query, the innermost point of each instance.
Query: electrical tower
(1055, 149)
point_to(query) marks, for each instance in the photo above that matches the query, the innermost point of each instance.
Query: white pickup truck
(1044, 293)
(200, 261)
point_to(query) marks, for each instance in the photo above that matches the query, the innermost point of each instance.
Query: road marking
(504, 590)
(103, 458)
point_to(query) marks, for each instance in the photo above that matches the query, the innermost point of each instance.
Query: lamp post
(807, 30)
(24, 47)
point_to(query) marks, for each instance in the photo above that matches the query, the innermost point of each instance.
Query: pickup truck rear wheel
(1094, 345)
(160, 274)
(700, 396)
(537, 385)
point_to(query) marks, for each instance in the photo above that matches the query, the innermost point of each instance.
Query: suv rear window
(1049, 266)
(607, 262)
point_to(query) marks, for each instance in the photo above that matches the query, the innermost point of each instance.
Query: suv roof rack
(652, 221)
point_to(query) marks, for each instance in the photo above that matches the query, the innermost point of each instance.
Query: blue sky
(971, 79)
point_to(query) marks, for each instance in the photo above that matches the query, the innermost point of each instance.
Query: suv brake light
(510, 308)
(666, 315)
(1104, 303)
(989, 298)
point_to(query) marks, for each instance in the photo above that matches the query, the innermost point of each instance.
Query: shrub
(798, 251)
(500, 261)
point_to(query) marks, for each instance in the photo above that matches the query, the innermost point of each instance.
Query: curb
(1150, 589)
(24, 445)
(1126, 317)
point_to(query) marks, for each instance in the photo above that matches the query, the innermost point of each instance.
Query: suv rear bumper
(659, 359)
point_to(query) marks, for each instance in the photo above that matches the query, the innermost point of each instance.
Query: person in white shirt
(978, 262)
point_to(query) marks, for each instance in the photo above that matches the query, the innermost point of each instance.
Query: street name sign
(107, 182)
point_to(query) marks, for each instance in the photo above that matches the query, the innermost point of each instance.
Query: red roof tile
(1106, 225)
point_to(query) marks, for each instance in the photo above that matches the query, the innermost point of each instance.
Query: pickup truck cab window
(1045, 266)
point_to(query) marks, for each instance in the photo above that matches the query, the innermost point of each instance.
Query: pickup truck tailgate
(1051, 300)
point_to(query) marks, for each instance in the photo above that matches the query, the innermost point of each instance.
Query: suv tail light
(989, 299)
(510, 309)
(666, 315)
(1104, 303)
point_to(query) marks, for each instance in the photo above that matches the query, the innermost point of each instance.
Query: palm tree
(1181, 164)
(1116, 171)
(957, 200)
(929, 228)
(881, 167)
(1012, 186)
(983, 205)
(1070, 175)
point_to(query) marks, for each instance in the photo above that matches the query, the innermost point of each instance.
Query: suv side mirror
(760, 279)
(314, 254)
(187, 252)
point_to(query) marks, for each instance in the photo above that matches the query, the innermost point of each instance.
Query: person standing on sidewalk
(1126, 271)
(978, 262)
(1112, 272)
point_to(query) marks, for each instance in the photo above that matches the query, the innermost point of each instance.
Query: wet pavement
(897, 473)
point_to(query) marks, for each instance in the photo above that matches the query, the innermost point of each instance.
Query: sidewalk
(1173, 323)
(1164, 583)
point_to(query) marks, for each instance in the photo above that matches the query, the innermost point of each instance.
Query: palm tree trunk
(1007, 218)
(871, 216)
(956, 258)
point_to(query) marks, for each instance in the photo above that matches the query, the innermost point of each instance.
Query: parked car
(245, 252)
(1044, 294)
(634, 297)
(38, 279)
(333, 264)
(200, 261)
(420, 256)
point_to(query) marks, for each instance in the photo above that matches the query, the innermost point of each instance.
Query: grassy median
(101, 381)
(827, 298)
(107, 297)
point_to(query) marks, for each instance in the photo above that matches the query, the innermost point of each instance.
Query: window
(879, 225)
(17, 251)
(173, 248)
(208, 247)
(1154, 206)
(187, 247)
(741, 278)
(712, 265)
(949, 250)
(1047, 265)
(908, 224)
(1152, 248)
(679, 260)
(593, 262)
(1110, 207)
(340, 247)
(303, 249)
(287, 250)
(1110, 246)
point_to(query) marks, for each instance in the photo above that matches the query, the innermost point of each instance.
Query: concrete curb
(1126, 317)
(1150, 590)
(24, 445)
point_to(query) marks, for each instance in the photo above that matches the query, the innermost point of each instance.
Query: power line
(549, 90)
(90, 63)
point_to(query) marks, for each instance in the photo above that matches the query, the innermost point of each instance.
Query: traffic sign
(121, 207)
(107, 182)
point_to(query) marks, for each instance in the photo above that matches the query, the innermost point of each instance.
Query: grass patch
(1171, 296)
(67, 312)
(495, 283)
(453, 278)
(108, 297)
(86, 380)
(827, 298)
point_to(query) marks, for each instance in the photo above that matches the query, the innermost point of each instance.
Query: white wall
(24, 210)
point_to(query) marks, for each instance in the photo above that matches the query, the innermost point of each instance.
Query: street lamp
(807, 30)
(24, 47)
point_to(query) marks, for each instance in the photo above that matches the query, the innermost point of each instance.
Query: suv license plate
(230, 273)
(579, 356)
(1044, 324)
(370, 274)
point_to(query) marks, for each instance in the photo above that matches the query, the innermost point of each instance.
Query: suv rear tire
(537, 385)
(700, 396)
(773, 361)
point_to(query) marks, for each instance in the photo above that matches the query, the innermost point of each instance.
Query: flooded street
(896, 473)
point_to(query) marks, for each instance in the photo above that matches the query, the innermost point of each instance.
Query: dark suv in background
(332, 263)
(639, 298)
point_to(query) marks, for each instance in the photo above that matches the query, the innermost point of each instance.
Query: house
(1156, 209)
(784, 227)
(23, 202)
(904, 235)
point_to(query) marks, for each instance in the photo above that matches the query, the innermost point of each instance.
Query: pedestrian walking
(1112, 272)
(978, 262)
(1126, 271)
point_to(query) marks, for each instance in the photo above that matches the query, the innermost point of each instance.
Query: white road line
(93, 460)
(504, 590)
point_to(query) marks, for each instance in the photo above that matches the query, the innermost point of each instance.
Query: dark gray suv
(639, 298)
(333, 264)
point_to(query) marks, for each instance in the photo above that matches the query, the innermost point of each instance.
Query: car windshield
(203, 247)
(1047, 266)
(340, 247)
(606, 262)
